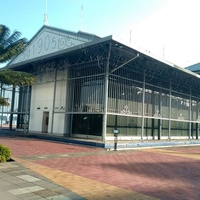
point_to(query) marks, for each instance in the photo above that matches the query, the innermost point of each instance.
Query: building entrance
(45, 122)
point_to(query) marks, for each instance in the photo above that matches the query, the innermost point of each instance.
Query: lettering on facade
(48, 42)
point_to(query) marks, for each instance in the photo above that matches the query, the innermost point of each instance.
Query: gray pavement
(18, 182)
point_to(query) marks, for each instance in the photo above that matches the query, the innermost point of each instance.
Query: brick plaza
(94, 173)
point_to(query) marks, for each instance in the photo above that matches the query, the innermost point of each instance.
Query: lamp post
(115, 132)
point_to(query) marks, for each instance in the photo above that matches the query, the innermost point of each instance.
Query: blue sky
(166, 28)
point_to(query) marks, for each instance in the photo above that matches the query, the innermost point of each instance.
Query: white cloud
(174, 28)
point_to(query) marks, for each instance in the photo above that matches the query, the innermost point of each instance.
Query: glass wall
(16, 114)
(125, 110)
(138, 104)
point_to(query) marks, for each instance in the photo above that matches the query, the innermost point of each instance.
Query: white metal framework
(104, 85)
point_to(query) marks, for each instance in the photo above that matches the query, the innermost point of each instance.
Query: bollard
(116, 132)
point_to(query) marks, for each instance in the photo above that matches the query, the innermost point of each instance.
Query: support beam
(54, 98)
(20, 103)
(12, 108)
(197, 117)
(190, 115)
(143, 102)
(125, 63)
(153, 111)
(106, 95)
(160, 112)
(27, 113)
(170, 110)
(2, 110)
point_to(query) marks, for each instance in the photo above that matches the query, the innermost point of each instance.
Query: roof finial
(46, 16)
(81, 18)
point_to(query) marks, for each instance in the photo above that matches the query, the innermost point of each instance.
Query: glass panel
(152, 127)
(180, 108)
(148, 127)
(20, 120)
(198, 111)
(88, 95)
(179, 128)
(148, 107)
(165, 127)
(165, 105)
(156, 103)
(193, 130)
(87, 124)
(127, 126)
(194, 110)
(124, 96)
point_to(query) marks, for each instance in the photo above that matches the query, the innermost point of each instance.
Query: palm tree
(12, 45)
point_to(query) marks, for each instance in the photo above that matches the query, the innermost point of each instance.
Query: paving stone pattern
(18, 182)
(49, 170)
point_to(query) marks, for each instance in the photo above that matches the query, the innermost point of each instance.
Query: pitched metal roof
(50, 40)
(158, 70)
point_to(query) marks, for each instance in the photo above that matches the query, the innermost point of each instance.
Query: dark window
(87, 124)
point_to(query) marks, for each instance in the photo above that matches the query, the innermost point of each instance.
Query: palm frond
(16, 78)
(4, 34)
(10, 45)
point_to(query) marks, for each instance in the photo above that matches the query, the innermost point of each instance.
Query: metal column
(26, 114)
(170, 110)
(12, 108)
(197, 117)
(143, 102)
(1, 92)
(160, 115)
(54, 97)
(106, 95)
(190, 115)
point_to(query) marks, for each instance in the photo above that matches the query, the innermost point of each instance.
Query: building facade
(91, 87)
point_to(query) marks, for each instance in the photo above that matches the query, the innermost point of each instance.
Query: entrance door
(45, 122)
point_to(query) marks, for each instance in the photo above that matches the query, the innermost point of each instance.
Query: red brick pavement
(164, 176)
(33, 147)
(188, 149)
(161, 176)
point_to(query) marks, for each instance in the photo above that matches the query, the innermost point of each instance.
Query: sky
(168, 29)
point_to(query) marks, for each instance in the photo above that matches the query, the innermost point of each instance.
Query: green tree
(12, 45)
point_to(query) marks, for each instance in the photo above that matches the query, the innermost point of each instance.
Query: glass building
(87, 87)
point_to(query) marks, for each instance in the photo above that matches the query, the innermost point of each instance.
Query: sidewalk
(18, 182)
(59, 171)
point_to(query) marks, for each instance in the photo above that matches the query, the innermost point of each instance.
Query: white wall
(60, 107)
(42, 101)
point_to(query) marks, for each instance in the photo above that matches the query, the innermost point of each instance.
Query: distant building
(194, 68)
(90, 87)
